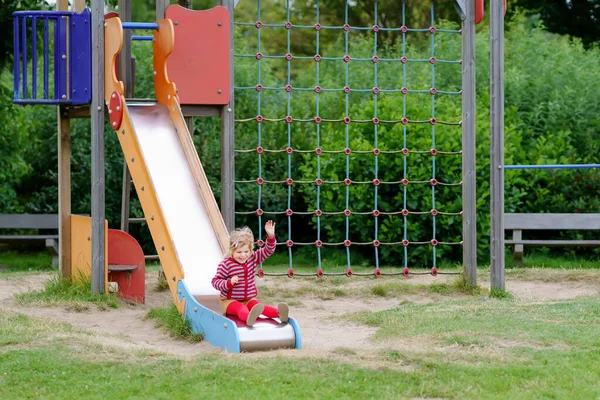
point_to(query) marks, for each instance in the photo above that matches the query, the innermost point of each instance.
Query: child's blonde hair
(240, 237)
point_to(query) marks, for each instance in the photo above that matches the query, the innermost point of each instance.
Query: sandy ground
(322, 333)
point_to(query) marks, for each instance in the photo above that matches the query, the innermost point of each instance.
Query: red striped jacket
(246, 287)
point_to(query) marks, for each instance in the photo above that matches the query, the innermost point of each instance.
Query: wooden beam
(97, 118)
(552, 221)
(126, 75)
(549, 243)
(64, 182)
(125, 67)
(79, 5)
(190, 110)
(468, 147)
(29, 221)
(228, 140)
(161, 9)
(497, 144)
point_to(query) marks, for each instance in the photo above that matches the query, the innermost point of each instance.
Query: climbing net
(329, 173)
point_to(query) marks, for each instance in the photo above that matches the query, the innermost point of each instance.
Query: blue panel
(72, 37)
(81, 58)
(217, 330)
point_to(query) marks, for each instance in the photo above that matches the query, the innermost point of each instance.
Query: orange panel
(163, 46)
(124, 250)
(113, 42)
(478, 11)
(200, 62)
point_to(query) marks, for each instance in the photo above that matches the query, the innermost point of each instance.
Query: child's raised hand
(270, 229)
(234, 279)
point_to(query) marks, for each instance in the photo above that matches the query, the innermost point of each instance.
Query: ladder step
(137, 219)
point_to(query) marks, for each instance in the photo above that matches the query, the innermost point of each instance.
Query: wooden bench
(520, 222)
(33, 222)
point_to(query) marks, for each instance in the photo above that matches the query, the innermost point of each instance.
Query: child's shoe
(254, 313)
(284, 311)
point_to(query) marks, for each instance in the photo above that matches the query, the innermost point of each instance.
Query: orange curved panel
(164, 40)
(124, 251)
(200, 62)
(113, 42)
(478, 11)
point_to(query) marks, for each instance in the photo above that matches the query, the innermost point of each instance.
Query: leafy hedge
(551, 116)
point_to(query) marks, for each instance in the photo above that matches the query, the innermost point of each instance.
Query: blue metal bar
(16, 68)
(147, 38)
(46, 50)
(56, 58)
(24, 55)
(41, 101)
(140, 25)
(34, 58)
(43, 14)
(552, 166)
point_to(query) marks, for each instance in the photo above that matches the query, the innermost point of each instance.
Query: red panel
(199, 63)
(123, 249)
(479, 11)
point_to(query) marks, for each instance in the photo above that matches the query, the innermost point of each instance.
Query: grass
(538, 260)
(14, 262)
(465, 343)
(169, 319)
(74, 295)
(330, 288)
(465, 349)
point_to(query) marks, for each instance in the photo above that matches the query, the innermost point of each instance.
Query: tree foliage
(579, 18)
(551, 116)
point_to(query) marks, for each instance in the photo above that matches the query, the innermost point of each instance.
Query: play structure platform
(178, 203)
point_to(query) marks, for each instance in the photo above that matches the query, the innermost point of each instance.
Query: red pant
(241, 311)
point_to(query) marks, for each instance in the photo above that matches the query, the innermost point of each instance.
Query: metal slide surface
(192, 233)
(196, 246)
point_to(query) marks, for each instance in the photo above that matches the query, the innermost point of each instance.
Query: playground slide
(179, 206)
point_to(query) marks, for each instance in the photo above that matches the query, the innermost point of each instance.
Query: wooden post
(126, 75)
(189, 121)
(161, 9)
(468, 146)
(97, 122)
(518, 254)
(64, 193)
(497, 144)
(64, 181)
(228, 140)
(79, 5)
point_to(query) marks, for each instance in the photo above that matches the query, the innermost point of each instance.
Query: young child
(235, 277)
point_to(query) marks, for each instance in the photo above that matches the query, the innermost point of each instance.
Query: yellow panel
(81, 249)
